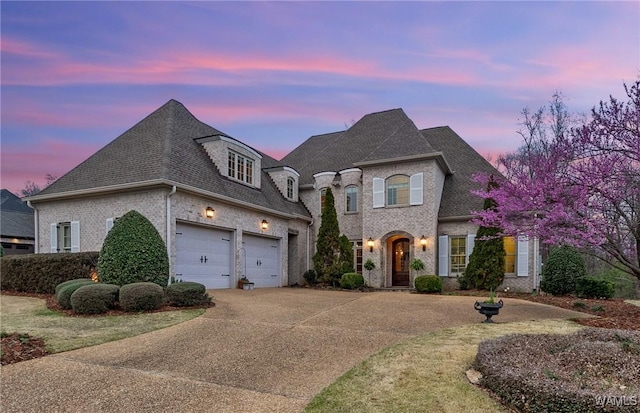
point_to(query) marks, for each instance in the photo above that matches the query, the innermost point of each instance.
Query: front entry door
(400, 262)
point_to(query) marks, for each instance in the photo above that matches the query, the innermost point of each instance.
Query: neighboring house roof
(457, 200)
(162, 147)
(16, 218)
(375, 137)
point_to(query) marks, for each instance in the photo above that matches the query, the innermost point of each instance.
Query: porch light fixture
(209, 212)
(264, 225)
(423, 242)
(370, 244)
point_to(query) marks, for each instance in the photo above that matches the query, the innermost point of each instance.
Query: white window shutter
(54, 237)
(443, 255)
(109, 225)
(471, 239)
(522, 265)
(378, 192)
(75, 236)
(415, 189)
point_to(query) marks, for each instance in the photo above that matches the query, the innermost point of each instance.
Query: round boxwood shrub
(563, 268)
(74, 281)
(94, 298)
(351, 280)
(133, 251)
(186, 294)
(63, 298)
(144, 296)
(428, 284)
(591, 287)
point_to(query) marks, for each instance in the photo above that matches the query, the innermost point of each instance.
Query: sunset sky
(76, 75)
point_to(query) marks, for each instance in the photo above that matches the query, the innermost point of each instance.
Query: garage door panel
(262, 260)
(203, 255)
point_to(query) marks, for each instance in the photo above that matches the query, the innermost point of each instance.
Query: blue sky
(75, 75)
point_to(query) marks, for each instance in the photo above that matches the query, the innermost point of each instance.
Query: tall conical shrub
(327, 260)
(133, 251)
(485, 269)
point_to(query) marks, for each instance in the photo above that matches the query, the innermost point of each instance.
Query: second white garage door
(262, 260)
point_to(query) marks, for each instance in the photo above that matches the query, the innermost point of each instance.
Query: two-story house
(226, 210)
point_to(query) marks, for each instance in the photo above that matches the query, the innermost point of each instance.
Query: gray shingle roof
(377, 136)
(457, 199)
(16, 218)
(162, 146)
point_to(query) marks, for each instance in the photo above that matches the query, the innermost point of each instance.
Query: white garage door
(263, 260)
(203, 255)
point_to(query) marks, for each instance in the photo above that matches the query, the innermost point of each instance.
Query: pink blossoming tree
(574, 181)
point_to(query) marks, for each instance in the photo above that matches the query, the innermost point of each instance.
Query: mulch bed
(614, 313)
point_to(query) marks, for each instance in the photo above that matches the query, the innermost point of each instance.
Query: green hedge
(428, 284)
(40, 273)
(186, 294)
(591, 287)
(351, 280)
(144, 296)
(94, 298)
(63, 296)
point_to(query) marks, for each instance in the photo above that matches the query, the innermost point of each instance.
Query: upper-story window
(323, 197)
(397, 188)
(290, 185)
(240, 167)
(351, 196)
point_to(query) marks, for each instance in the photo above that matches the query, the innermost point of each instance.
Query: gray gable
(377, 136)
(162, 146)
(457, 199)
(16, 218)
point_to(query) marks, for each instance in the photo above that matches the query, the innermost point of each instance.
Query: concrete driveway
(266, 350)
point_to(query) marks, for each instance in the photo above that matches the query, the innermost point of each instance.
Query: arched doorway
(400, 262)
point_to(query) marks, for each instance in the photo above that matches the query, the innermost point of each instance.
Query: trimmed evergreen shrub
(310, 276)
(351, 280)
(63, 297)
(40, 273)
(94, 298)
(564, 267)
(74, 281)
(144, 296)
(186, 294)
(428, 284)
(591, 287)
(132, 252)
(486, 262)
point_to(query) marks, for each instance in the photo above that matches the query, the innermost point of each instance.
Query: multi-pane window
(357, 256)
(351, 193)
(397, 190)
(510, 257)
(290, 185)
(458, 254)
(64, 237)
(323, 197)
(240, 168)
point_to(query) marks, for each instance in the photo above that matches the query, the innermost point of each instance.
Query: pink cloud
(32, 163)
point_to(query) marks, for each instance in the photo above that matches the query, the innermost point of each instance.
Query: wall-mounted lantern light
(423, 242)
(209, 212)
(370, 244)
(264, 225)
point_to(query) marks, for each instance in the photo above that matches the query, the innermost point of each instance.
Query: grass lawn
(424, 374)
(62, 333)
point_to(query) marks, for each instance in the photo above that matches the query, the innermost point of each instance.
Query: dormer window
(290, 185)
(240, 167)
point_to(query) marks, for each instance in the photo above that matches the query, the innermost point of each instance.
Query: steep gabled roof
(457, 200)
(16, 218)
(377, 136)
(162, 147)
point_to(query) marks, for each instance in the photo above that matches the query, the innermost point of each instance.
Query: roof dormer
(287, 180)
(234, 159)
